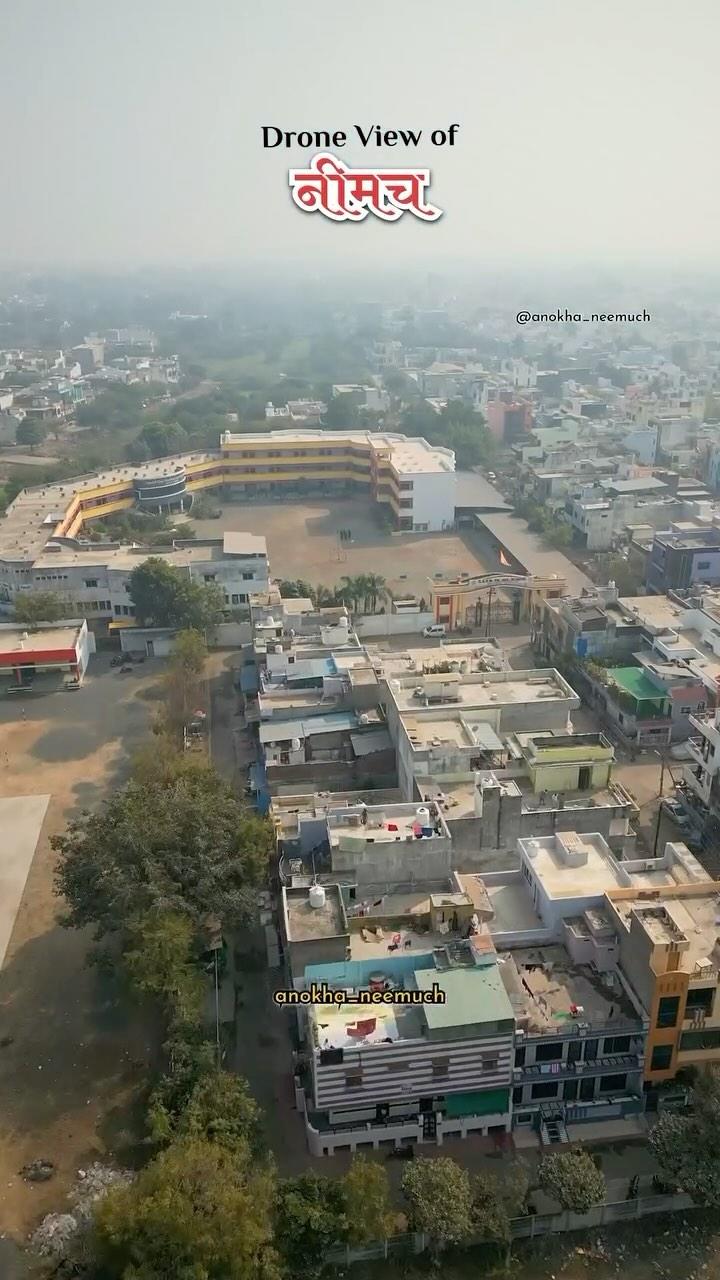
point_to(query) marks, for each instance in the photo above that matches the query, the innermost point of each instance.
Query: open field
(73, 1060)
(303, 542)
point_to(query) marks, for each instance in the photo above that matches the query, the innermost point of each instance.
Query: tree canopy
(439, 1199)
(457, 427)
(188, 847)
(367, 1201)
(573, 1179)
(687, 1146)
(34, 607)
(31, 432)
(310, 1216)
(198, 1211)
(164, 596)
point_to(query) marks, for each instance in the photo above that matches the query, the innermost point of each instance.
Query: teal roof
(472, 996)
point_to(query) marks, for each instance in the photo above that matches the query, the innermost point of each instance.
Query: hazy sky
(131, 129)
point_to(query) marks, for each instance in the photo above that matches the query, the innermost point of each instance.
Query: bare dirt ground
(73, 1059)
(303, 542)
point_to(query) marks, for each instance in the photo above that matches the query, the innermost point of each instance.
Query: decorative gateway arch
(482, 600)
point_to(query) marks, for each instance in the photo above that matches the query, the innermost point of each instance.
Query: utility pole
(660, 800)
(217, 1013)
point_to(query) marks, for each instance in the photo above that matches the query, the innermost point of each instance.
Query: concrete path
(21, 818)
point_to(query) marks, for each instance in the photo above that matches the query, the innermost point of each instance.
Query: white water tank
(295, 744)
(317, 896)
(423, 816)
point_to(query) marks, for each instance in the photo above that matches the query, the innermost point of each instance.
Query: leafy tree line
(457, 427)
(543, 520)
(362, 592)
(686, 1144)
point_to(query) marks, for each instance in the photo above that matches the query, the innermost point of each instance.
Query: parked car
(435, 629)
(678, 812)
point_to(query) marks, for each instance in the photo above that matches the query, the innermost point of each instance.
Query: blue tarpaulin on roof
(249, 681)
(258, 782)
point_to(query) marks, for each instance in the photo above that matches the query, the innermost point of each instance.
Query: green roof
(472, 997)
(637, 683)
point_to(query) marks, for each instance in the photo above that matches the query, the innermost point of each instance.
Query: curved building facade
(166, 490)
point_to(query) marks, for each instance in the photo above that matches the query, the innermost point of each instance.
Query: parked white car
(435, 629)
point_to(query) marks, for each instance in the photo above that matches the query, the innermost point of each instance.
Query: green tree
(558, 534)
(188, 847)
(439, 1198)
(687, 1145)
(164, 596)
(160, 959)
(496, 1201)
(221, 1109)
(198, 1211)
(572, 1178)
(295, 589)
(162, 762)
(615, 568)
(34, 607)
(191, 1058)
(182, 682)
(342, 412)
(310, 1217)
(375, 589)
(163, 438)
(31, 432)
(367, 1201)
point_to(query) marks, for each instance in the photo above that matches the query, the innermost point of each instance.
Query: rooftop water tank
(317, 896)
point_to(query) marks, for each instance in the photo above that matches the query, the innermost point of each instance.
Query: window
(235, 599)
(328, 1057)
(700, 998)
(90, 582)
(661, 1057)
(570, 1090)
(248, 577)
(517, 1096)
(209, 577)
(703, 564)
(616, 1044)
(686, 711)
(544, 1091)
(519, 1057)
(667, 1014)
(397, 1066)
(440, 1066)
(489, 1063)
(587, 1089)
(591, 1048)
(353, 1079)
(700, 1039)
(613, 1084)
(549, 1053)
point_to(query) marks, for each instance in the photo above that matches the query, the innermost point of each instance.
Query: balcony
(695, 747)
(573, 1070)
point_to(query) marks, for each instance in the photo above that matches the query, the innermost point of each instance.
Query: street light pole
(660, 800)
